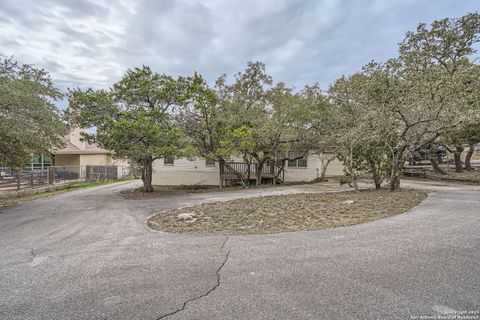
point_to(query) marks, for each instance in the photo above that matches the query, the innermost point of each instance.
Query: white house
(169, 171)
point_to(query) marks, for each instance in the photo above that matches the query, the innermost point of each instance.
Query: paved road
(88, 254)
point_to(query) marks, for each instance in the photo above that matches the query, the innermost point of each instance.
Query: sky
(91, 43)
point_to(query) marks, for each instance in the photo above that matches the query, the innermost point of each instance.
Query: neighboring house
(77, 160)
(82, 153)
(171, 171)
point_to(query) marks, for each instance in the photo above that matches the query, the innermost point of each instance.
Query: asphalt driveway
(88, 254)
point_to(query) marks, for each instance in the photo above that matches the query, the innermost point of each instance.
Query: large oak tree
(29, 120)
(134, 118)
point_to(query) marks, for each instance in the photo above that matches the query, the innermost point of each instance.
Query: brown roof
(90, 148)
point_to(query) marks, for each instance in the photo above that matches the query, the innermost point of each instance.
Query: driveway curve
(88, 254)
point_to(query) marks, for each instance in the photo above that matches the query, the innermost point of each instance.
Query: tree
(409, 102)
(29, 120)
(473, 139)
(361, 142)
(268, 122)
(316, 126)
(204, 120)
(249, 118)
(448, 46)
(134, 118)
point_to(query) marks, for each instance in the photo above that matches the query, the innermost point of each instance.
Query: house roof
(86, 148)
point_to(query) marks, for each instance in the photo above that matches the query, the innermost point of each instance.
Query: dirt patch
(162, 191)
(283, 213)
(427, 173)
(466, 176)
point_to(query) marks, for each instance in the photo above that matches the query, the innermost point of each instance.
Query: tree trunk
(458, 161)
(436, 167)
(352, 171)
(468, 158)
(147, 169)
(259, 171)
(280, 170)
(355, 182)
(324, 163)
(248, 162)
(394, 176)
(378, 184)
(398, 162)
(323, 174)
(377, 178)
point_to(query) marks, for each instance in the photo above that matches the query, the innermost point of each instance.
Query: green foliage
(429, 91)
(29, 121)
(203, 120)
(429, 94)
(134, 119)
(250, 117)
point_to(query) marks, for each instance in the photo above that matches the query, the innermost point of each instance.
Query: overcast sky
(92, 43)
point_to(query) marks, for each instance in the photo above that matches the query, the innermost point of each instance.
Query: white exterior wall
(335, 168)
(313, 170)
(187, 172)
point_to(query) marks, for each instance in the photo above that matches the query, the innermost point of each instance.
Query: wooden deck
(235, 171)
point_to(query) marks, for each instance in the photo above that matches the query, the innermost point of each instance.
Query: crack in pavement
(32, 255)
(217, 273)
(224, 243)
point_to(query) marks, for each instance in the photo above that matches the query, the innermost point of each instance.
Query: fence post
(425, 167)
(18, 180)
(31, 178)
(220, 171)
(48, 178)
(448, 166)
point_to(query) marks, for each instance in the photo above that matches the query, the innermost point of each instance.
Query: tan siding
(95, 159)
(67, 160)
(75, 136)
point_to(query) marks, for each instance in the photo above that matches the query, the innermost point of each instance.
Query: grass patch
(11, 198)
(273, 214)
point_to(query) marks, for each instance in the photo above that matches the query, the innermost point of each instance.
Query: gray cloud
(92, 43)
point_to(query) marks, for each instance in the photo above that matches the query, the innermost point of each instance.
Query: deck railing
(242, 168)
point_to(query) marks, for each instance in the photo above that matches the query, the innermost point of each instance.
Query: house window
(168, 161)
(292, 163)
(298, 163)
(40, 161)
(209, 163)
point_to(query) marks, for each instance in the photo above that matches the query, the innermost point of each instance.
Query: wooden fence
(36, 178)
